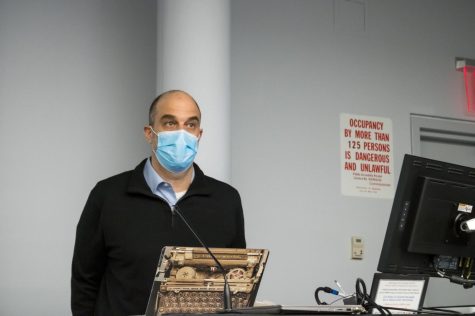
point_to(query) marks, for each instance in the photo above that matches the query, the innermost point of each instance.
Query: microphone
(227, 302)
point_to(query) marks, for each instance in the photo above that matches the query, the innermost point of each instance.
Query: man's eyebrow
(193, 118)
(172, 117)
(168, 117)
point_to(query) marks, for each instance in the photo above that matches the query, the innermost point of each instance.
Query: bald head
(171, 113)
(162, 98)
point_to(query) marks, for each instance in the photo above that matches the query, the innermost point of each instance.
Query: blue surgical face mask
(176, 150)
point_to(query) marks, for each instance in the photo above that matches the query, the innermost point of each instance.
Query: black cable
(341, 298)
(440, 310)
(467, 283)
(361, 292)
(423, 311)
(325, 289)
(447, 308)
(450, 306)
(363, 299)
(317, 298)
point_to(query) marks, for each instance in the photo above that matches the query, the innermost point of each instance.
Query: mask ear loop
(153, 131)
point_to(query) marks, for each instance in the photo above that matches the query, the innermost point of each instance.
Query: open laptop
(188, 279)
(323, 310)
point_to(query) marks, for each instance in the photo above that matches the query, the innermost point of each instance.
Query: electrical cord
(466, 282)
(447, 309)
(430, 309)
(325, 289)
(363, 298)
(426, 311)
(341, 298)
(450, 306)
(367, 302)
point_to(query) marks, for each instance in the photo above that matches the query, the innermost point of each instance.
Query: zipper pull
(173, 215)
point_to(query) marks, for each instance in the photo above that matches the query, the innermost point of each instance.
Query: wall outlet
(357, 248)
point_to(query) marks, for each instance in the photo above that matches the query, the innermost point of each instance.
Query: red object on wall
(467, 66)
(469, 78)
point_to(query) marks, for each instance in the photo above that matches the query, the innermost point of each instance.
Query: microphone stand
(227, 302)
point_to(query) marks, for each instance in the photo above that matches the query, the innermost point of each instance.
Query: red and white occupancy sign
(366, 156)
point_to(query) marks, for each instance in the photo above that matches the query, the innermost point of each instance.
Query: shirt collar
(152, 178)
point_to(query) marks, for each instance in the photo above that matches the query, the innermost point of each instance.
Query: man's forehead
(178, 104)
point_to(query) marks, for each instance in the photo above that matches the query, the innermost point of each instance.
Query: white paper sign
(366, 151)
(399, 293)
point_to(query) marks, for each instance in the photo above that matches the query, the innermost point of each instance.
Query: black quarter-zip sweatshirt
(123, 228)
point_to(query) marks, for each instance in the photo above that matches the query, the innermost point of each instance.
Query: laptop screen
(188, 280)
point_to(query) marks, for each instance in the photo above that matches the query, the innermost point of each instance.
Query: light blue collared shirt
(158, 186)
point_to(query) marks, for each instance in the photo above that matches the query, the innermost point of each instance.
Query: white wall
(295, 66)
(76, 80)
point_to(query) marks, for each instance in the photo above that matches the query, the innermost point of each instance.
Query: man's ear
(147, 133)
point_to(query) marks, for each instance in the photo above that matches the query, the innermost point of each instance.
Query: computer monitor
(430, 229)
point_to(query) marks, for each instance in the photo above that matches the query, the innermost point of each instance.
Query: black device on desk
(430, 229)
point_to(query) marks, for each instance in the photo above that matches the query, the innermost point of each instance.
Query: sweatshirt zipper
(172, 207)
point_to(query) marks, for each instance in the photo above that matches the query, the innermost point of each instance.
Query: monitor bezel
(395, 257)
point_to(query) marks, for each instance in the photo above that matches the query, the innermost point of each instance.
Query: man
(127, 218)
